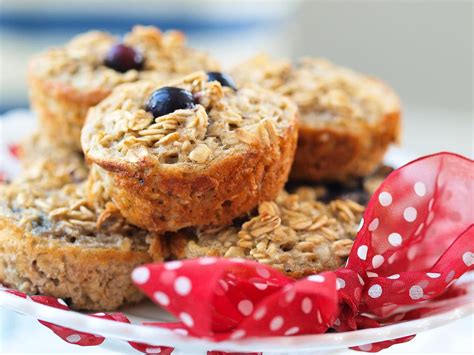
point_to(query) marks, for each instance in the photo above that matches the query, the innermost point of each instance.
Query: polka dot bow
(414, 241)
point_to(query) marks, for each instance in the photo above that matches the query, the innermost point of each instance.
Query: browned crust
(61, 108)
(170, 199)
(88, 278)
(338, 154)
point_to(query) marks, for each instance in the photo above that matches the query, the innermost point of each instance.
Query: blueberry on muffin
(194, 152)
(65, 82)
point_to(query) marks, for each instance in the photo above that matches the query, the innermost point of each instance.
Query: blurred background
(424, 49)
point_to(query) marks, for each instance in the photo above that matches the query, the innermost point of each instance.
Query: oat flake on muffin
(202, 165)
(65, 82)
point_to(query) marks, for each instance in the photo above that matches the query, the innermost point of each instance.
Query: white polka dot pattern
(409, 214)
(420, 188)
(186, 319)
(395, 239)
(182, 286)
(340, 283)
(245, 307)
(74, 338)
(276, 323)
(140, 275)
(306, 305)
(385, 199)
(468, 258)
(316, 278)
(238, 334)
(416, 292)
(263, 272)
(161, 298)
(375, 291)
(260, 313)
(362, 252)
(173, 265)
(374, 224)
(292, 331)
(377, 261)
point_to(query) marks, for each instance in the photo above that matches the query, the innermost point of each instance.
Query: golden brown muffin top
(325, 93)
(222, 122)
(80, 64)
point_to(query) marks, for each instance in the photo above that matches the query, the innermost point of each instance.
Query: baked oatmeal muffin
(197, 152)
(294, 233)
(347, 119)
(65, 82)
(46, 163)
(53, 242)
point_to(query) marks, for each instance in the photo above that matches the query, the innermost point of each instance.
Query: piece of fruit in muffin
(53, 242)
(347, 119)
(65, 82)
(195, 152)
(295, 234)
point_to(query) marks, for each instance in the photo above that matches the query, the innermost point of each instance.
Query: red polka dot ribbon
(415, 240)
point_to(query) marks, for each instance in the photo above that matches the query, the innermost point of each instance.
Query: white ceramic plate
(16, 125)
(117, 333)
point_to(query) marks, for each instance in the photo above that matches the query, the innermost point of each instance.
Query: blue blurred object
(76, 22)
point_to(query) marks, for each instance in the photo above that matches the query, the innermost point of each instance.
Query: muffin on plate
(65, 82)
(294, 233)
(196, 152)
(347, 119)
(53, 242)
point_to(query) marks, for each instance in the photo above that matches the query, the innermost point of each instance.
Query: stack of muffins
(146, 151)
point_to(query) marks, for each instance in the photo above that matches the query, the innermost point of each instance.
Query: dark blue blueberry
(123, 58)
(169, 99)
(224, 79)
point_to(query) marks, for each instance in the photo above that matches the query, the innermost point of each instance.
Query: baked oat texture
(347, 119)
(45, 162)
(200, 166)
(53, 242)
(294, 233)
(65, 82)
